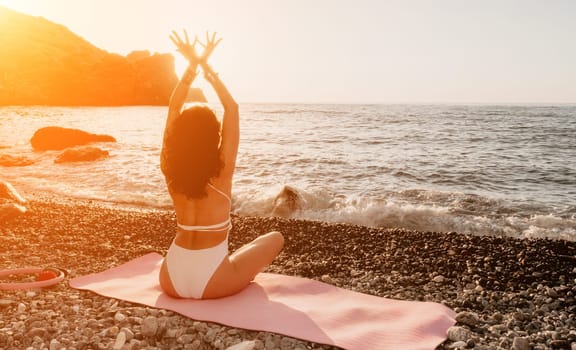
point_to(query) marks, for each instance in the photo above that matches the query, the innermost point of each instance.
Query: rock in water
(81, 154)
(11, 202)
(9, 160)
(7, 191)
(287, 202)
(58, 138)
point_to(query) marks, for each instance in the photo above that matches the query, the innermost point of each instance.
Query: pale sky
(332, 51)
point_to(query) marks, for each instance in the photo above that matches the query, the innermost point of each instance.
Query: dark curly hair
(192, 151)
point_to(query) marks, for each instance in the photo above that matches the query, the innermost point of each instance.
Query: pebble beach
(508, 293)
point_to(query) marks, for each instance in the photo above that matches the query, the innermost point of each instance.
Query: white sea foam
(422, 217)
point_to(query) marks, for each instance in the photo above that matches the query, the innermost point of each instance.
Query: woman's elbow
(232, 107)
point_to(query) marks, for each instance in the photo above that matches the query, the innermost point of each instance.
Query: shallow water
(499, 170)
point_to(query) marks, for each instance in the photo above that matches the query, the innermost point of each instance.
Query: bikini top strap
(227, 224)
(219, 191)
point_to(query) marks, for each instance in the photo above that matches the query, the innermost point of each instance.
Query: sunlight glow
(329, 51)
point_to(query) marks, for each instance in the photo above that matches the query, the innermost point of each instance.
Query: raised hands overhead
(209, 47)
(186, 48)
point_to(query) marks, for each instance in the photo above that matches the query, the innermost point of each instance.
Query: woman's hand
(185, 48)
(209, 47)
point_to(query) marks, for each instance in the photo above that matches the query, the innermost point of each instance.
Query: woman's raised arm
(180, 93)
(230, 120)
(181, 90)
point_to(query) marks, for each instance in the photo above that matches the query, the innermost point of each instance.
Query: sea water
(506, 170)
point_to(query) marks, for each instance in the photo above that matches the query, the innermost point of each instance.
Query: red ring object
(56, 276)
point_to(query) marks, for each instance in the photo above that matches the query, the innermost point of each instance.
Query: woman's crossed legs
(240, 268)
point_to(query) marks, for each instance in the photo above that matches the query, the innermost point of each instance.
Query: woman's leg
(166, 282)
(243, 265)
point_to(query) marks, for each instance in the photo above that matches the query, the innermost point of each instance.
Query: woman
(198, 166)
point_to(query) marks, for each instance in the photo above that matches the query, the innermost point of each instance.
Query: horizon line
(329, 103)
(412, 103)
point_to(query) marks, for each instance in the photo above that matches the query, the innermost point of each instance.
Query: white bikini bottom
(190, 270)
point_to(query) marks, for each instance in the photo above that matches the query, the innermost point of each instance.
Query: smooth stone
(551, 293)
(112, 331)
(520, 343)
(128, 332)
(120, 341)
(21, 308)
(37, 332)
(200, 327)
(458, 345)
(185, 339)
(287, 343)
(171, 333)
(5, 302)
(439, 279)
(327, 279)
(467, 318)
(245, 345)
(456, 333)
(149, 326)
(119, 317)
(54, 344)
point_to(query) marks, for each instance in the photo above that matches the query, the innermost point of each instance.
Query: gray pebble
(287, 343)
(245, 345)
(120, 341)
(467, 318)
(119, 317)
(149, 326)
(21, 308)
(456, 333)
(128, 332)
(458, 345)
(327, 279)
(54, 344)
(185, 339)
(520, 343)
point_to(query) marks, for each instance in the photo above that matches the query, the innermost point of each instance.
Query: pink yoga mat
(293, 306)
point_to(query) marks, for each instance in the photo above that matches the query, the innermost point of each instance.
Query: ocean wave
(421, 210)
(415, 209)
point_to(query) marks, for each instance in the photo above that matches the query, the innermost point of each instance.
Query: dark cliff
(44, 63)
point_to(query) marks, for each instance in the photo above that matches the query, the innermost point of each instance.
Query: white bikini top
(226, 224)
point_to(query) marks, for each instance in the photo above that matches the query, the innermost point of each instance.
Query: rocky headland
(44, 63)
